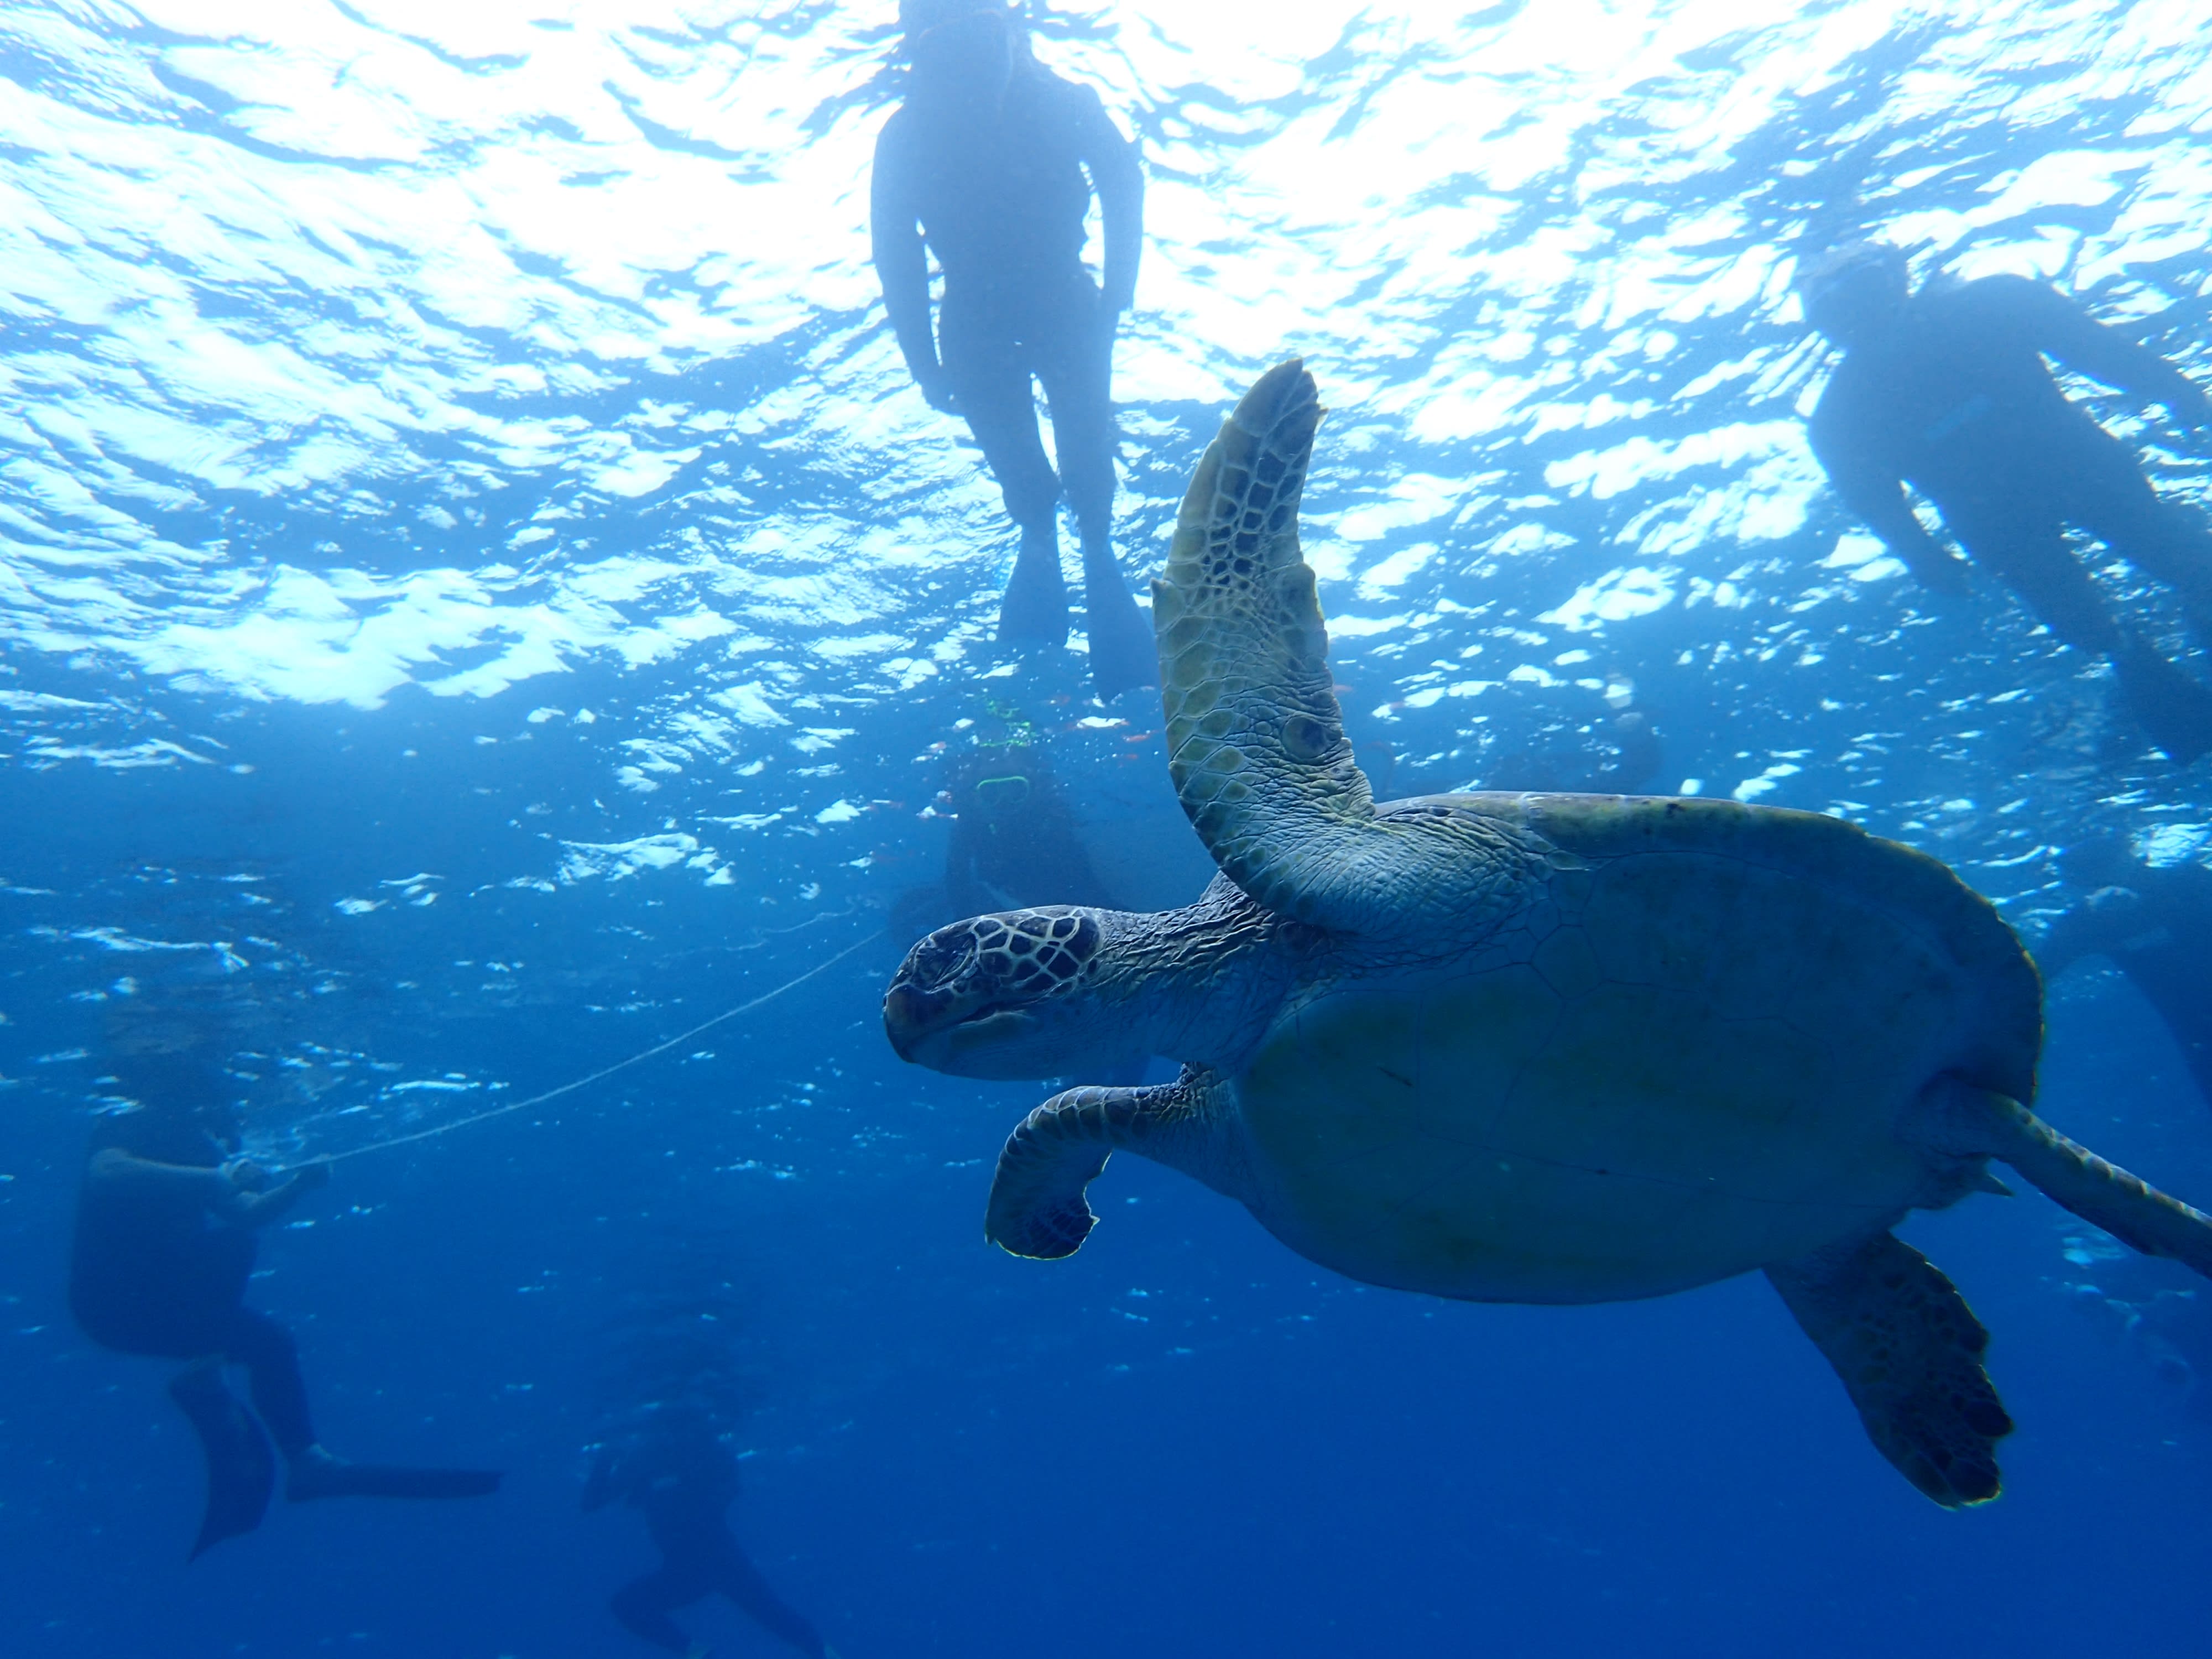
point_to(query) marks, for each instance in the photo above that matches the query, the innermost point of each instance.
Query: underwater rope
(604, 1071)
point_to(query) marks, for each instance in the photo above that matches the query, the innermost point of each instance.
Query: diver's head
(1012, 995)
(965, 52)
(169, 1061)
(1001, 781)
(178, 1116)
(1853, 293)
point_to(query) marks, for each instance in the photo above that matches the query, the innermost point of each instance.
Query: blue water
(475, 578)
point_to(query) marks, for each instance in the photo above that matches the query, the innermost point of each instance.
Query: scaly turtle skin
(1555, 1048)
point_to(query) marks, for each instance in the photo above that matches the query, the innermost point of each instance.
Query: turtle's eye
(944, 955)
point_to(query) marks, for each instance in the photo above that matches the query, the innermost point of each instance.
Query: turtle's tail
(1980, 1123)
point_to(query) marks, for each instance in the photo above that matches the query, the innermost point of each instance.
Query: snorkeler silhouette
(1014, 843)
(2154, 925)
(1947, 389)
(163, 1250)
(992, 162)
(682, 1478)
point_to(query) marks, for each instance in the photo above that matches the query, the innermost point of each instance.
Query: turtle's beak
(909, 1022)
(948, 1032)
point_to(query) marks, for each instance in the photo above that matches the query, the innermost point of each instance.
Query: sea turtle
(1541, 1048)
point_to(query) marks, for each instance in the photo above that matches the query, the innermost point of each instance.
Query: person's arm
(1119, 178)
(227, 1192)
(257, 1205)
(963, 888)
(901, 261)
(2061, 329)
(1876, 495)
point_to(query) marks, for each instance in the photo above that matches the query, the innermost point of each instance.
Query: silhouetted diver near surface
(1947, 390)
(164, 1248)
(992, 162)
(2154, 925)
(682, 1479)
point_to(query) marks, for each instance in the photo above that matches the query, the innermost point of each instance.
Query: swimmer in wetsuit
(164, 1248)
(682, 1479)
(1013, 837)
(1947, 390)
(1014, 844)
(991, 163)
(2154, 925)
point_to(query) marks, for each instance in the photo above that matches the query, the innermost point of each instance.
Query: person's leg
(241, 1470)
(271, 1359)
(2167, 541)
(741, 1581)
(989, 374)
(1075, 365)
(2032, 559)
(643, 1605)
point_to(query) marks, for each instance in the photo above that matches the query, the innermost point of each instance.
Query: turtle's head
(1011, 995)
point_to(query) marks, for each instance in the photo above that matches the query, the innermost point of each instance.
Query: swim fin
(2169, 703)
(241, 1464)
(319, 1474)
(1123, 657)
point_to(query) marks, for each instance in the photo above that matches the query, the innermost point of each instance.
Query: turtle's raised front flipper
(1960, 1120)
(1909, 1350)
(1255, 738)
(1037, 1207)
(1256, 741)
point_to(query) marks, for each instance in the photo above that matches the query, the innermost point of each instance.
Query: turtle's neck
(1198, 984)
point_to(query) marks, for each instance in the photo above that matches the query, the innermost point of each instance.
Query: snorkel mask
(1002, 793)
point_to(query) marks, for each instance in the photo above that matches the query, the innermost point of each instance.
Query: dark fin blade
(241, 1464)
(335, 1479)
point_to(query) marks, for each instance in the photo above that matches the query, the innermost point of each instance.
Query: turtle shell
(1685, 1058)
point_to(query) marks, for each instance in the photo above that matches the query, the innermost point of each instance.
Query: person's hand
(312, 1178)
(245, 1176)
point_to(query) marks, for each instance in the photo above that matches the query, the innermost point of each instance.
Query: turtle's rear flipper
(1909, 1350)
(241, 1465)
(1037, 1208)
(1960, 1119)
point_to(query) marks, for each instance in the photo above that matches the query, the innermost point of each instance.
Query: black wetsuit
(1009, 854)
(153, 1271)
(1955, 399)
(2157, 930)
(1002, 208)
(683, 1497)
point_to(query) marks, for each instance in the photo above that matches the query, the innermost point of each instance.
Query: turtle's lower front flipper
(1963, 1120)
(1037, 1208)
(241, 1465)
(1909, 1350)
